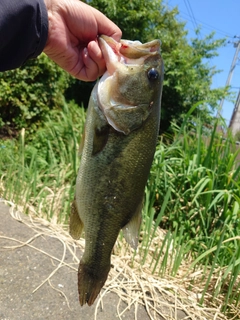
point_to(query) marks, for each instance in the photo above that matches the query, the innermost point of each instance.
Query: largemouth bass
(120, 137)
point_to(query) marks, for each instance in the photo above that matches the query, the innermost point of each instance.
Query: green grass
(193, 194)
(40, 173)
(194, 188)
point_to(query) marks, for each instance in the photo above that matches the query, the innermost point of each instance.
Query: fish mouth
(126, 52)
(127, 64)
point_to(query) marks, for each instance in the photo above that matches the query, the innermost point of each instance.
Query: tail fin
(90, 283)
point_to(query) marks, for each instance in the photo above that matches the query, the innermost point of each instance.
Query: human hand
(72, 37)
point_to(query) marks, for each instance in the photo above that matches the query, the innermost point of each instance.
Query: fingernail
(85, 52)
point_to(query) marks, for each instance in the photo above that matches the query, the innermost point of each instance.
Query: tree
(28, 93)
(187, 78)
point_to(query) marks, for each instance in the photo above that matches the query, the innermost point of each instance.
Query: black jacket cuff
(23, 31)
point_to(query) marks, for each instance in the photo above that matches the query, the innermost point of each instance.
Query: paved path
(23, 269)
(25, 264)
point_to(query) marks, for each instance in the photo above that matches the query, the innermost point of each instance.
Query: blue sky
(221, 16)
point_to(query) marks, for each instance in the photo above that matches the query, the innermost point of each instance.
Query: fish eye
(153, 74)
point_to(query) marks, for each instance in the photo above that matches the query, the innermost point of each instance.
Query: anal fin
(75, 223)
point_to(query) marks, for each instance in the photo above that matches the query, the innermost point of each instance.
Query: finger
(106, 26)
(93, 22)
(90, 70)
(95, 53)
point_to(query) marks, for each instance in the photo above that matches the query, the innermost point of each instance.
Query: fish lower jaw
(90, 284)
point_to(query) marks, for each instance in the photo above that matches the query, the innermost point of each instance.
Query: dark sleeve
(23, 31)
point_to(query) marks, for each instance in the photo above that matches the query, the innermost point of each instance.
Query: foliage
(29, 93)
(202, 171)
(194, 188)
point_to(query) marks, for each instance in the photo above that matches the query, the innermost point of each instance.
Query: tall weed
(40, 172)
(194, 188)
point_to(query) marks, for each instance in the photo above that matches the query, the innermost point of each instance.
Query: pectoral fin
(131, 229)
(75, 224)
(100, 139)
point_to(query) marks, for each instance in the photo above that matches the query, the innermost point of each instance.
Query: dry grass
(163, 298)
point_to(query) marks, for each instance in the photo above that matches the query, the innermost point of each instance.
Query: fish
(118, 146)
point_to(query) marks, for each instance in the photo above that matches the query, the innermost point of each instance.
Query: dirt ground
(38, 277)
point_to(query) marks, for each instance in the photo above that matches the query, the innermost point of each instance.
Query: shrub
(28, 94)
